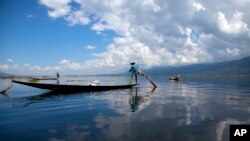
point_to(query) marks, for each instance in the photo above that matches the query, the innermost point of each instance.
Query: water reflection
(48, 96)
(179, 112)
(138, 102)
(190, 111)
(6, 95)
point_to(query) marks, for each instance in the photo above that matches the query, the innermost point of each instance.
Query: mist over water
(191, 110)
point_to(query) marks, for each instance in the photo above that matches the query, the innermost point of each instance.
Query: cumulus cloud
(4, 67)
(159, 32)
(67, 64)
(125, 50)
(198, 6)
(151, 4)
(57, 8)
(233, 26)
(28, 69)
(77, 17)
(99, 27)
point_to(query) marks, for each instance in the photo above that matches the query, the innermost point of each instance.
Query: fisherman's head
(132, 63)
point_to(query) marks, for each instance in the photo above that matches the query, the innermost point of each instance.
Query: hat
(132, 63)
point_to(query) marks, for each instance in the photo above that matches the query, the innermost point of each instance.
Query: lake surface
(190, 110)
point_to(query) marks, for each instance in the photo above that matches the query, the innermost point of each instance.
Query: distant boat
(73, 88)
(176, 78)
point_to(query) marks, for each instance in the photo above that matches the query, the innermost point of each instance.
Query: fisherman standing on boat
(135, 71)
(57, 77)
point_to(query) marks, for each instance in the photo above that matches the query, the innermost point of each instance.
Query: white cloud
(234, 51)
(146, 37)
(64, 62)
(67, 64)
(229, 52)
(233, 26)
(8, 67)
(10, 60)
(151, 4)
(36, 68)
(90, 47)
(77, 17)
(57, 8)
(123, 51)
(99, 27)
(158, 32)
(4, 67)
(198, 6)
(28, 69)
(242, 2)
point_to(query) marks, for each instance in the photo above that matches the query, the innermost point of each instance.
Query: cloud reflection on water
(171, 112)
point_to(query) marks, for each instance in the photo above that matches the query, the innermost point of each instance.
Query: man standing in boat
(57, 77)
(135, 71)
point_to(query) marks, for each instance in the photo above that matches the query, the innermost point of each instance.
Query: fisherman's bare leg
(135, 78)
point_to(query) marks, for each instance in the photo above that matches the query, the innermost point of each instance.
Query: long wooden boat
(43, 78)
(73, 88)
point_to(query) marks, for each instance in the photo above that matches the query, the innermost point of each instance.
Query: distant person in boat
(177, 77)
(58, 77)
(135, 71)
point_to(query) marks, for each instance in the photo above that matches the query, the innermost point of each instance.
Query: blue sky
(28, 35)
(93, 37)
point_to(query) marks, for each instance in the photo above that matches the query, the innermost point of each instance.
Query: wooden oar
(146, 76)
(142, 74)
(151, 81)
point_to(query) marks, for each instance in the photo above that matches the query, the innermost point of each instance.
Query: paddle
(146, 76)
(151, 81)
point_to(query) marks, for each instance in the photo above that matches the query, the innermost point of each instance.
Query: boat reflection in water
(136, 102)
(49, 96)
(27, 101)
(191, 110)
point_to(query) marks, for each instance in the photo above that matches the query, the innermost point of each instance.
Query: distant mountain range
(236, 67)
(4, 74)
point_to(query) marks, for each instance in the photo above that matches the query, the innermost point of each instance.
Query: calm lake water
(190, 110)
